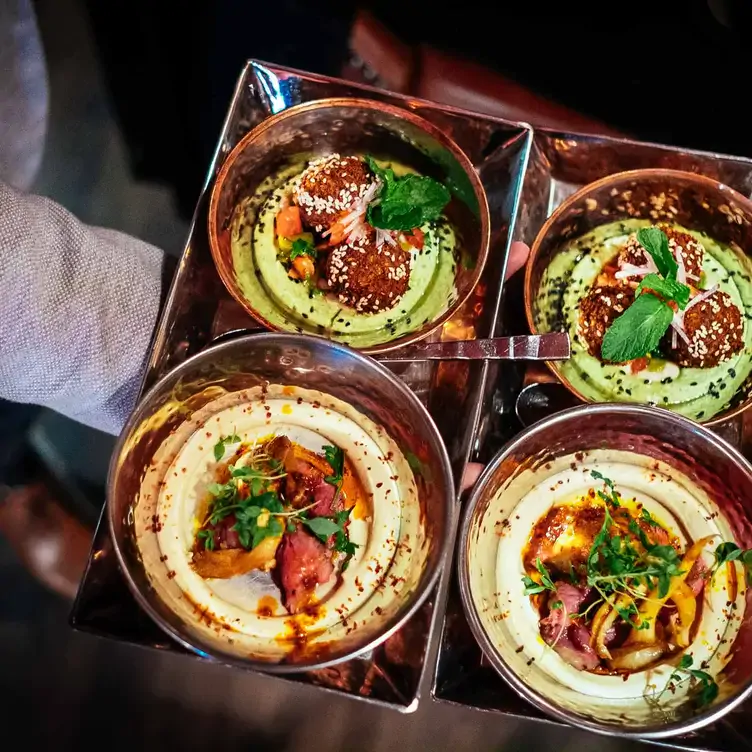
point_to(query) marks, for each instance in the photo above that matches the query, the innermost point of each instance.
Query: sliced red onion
(702, 296)
(630, 270)
(384, 236)
(681, 271)
(678, 321)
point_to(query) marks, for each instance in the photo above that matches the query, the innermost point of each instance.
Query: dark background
(138, 93)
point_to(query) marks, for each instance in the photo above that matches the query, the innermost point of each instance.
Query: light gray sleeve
(78, 305)
(23, 94)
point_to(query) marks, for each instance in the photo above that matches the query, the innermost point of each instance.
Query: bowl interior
(345, 126)
(192, 395)
(657, 195)
(720, 482)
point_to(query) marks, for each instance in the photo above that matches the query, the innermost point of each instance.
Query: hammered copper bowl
(693, 201)
(349, 126)
(644, 435)
(253, 361)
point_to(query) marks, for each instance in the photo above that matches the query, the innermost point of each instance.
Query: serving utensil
(554, 346)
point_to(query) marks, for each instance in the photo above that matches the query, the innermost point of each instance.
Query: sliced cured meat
(303, 562)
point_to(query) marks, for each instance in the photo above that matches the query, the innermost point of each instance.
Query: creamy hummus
(698, 393)
(245, 611)
(512, 621)
(293, 305)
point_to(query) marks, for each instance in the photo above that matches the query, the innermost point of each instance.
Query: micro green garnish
(639, 330)
(546, 583)
(556, 605)
(612, 497)
(302, 247)
(706, 688)
(336, 459)
(222, 444)
(207, 536)
(262, 514)
(727, 552)
(405, 202)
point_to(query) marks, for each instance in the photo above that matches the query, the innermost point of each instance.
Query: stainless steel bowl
(713, 466)
(292, 361)
(347, 126)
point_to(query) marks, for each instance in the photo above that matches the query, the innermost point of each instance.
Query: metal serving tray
(199, 311)
(559, 164)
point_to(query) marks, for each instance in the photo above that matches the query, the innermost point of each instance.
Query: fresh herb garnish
(302, 247)
(221, 445)
(207, 536)
(706, 687)
(612, 497)
(727, 552)
(405, 202)
(336, 459)
(546, 583)
(640, 328)
(655, 242)
(261, 513)
(556, 605)
(668, 289)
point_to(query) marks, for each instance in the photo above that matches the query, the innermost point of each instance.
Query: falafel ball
(681, 244)
(368, 278)
(598, 310)
(329, 187)
(715, 329)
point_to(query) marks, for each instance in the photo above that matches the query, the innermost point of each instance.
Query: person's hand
(518, 253)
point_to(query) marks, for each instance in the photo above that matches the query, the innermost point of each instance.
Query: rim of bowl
(423, 590)
(540, 701)
(577, 196)
(225, 272)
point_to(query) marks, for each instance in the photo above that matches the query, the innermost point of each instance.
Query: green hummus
(295, 305)
(698, 393)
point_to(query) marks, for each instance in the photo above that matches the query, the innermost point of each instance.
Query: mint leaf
(322, 527)
(638, 330)
(405, 202)
(655, 242)
(686, 661)
(669, 289)
(408, 202)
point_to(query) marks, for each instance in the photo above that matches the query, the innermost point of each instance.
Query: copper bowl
(195, 391)
(693, 201)
(349, 126)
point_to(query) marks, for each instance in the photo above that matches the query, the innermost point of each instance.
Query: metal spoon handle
(553, 346)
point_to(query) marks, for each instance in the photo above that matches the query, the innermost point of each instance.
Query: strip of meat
(569, 639)
(697, 577)
(303, 562)
(323, 497)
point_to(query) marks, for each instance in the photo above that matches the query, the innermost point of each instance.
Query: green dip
(698, 393)
(294, 305)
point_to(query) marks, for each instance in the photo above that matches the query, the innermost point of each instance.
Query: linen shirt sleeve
(78, 305)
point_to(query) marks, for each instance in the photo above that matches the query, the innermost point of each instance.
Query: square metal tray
(559, 164)
(199, 311)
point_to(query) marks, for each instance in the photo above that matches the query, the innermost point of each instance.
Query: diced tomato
(639, 364)
(303, 265)
(416, 238)
(289, 223)
(337, 234)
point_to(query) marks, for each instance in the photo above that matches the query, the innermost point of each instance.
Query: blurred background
(138, 92)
